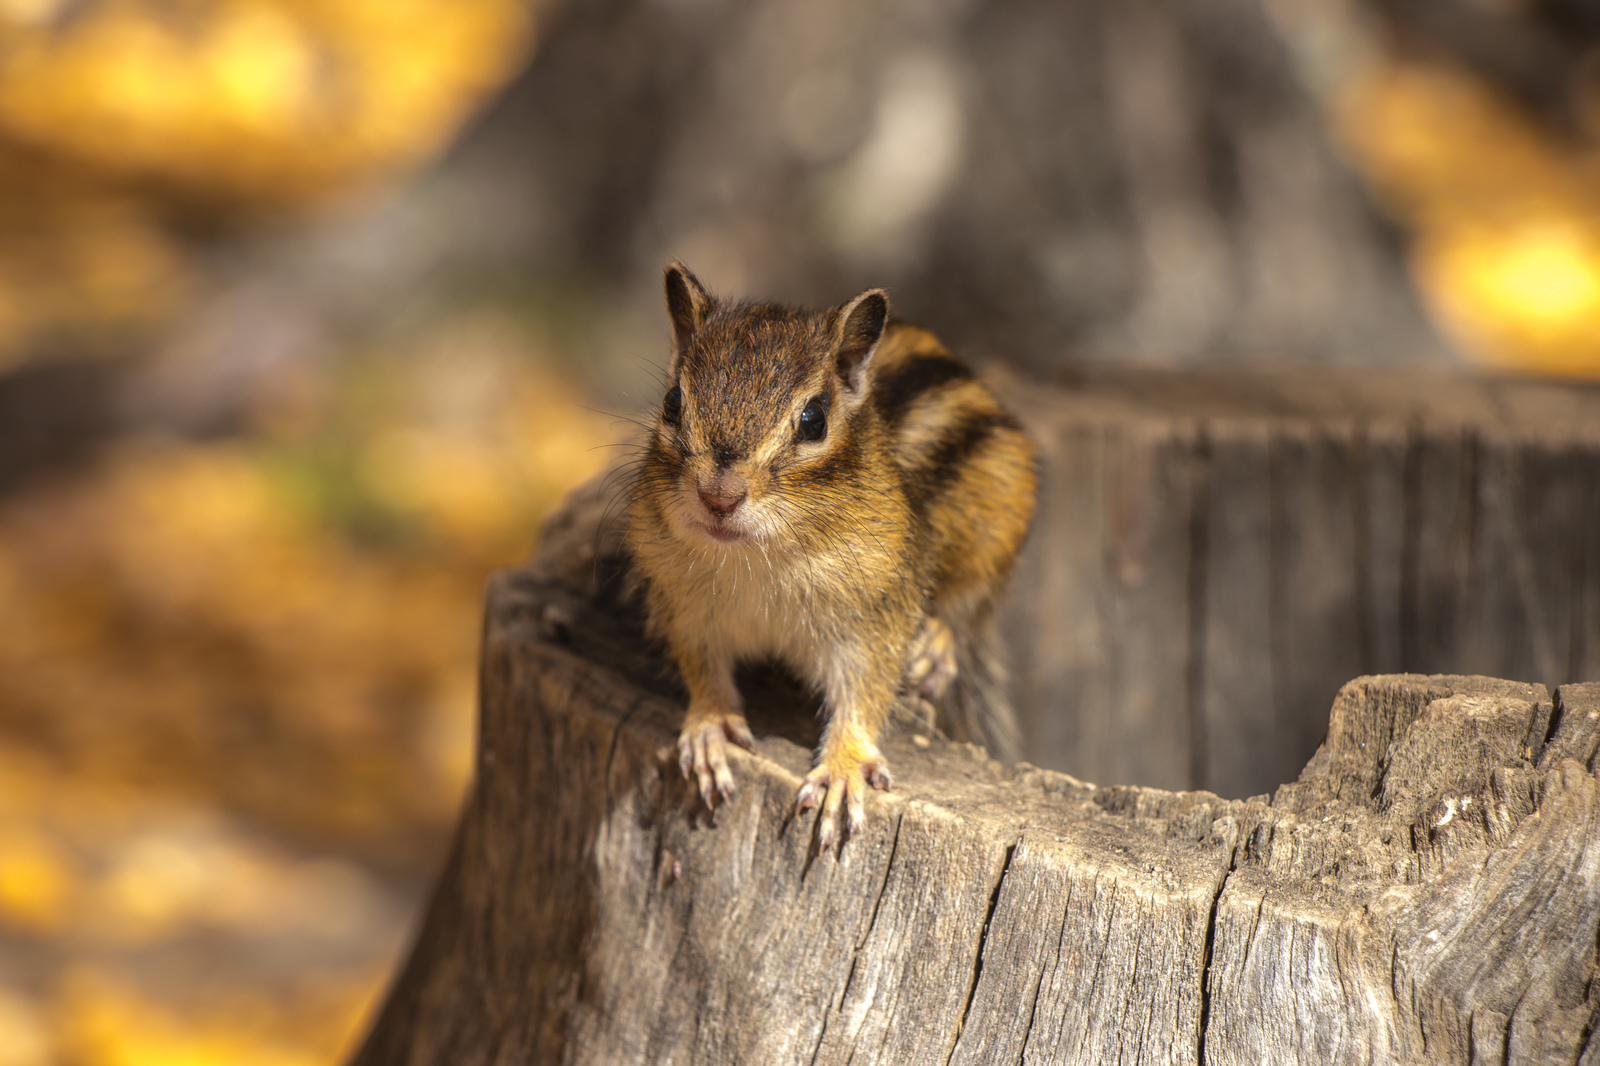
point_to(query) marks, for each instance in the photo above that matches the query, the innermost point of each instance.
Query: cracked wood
(1428, 890)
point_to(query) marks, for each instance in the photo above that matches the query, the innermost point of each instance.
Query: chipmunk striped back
(970, 472)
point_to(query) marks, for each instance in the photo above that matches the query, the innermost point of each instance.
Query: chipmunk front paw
(842, 780)
(703, 754)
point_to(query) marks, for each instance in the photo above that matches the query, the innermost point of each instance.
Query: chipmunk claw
(842, 788)
(703, 753)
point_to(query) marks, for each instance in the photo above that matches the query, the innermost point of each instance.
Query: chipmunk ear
(861, 327)
(687, 304)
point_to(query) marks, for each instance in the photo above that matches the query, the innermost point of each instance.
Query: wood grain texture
(1427, 890)
(1235, 691)
(1219, 551)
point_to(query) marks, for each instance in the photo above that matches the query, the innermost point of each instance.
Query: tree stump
(1428, 890)
(1216, 553)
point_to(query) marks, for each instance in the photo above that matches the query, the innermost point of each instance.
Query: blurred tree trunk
(1145, 180)
(1037, 182)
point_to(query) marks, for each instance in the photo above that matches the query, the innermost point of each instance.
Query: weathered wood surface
(1216, 553)
(1428, 890)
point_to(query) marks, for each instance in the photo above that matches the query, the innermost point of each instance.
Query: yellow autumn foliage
(1505, 219)
(274, 100)
(236, 686)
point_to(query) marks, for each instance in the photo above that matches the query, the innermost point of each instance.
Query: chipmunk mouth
(725, 533)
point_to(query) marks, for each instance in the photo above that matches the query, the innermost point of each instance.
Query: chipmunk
(834, 490)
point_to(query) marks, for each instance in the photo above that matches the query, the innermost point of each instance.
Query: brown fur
(867, 558)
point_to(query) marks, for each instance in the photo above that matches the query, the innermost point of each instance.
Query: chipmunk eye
(672, 406)
(814, 420)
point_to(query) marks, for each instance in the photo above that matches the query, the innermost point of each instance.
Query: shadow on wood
(1428, 890)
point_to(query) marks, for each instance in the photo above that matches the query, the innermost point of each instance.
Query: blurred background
(310, 310)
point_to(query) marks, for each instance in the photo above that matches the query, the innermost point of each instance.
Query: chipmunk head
(762, 410)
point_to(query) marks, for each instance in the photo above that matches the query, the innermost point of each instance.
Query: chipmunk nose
(722, 504)
(722, 500)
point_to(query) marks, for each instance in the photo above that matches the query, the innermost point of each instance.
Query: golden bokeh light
(36, 882)
(1505, 219)
(120, 117)
(110, 1021)
(274, 101)
(1522, 297)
